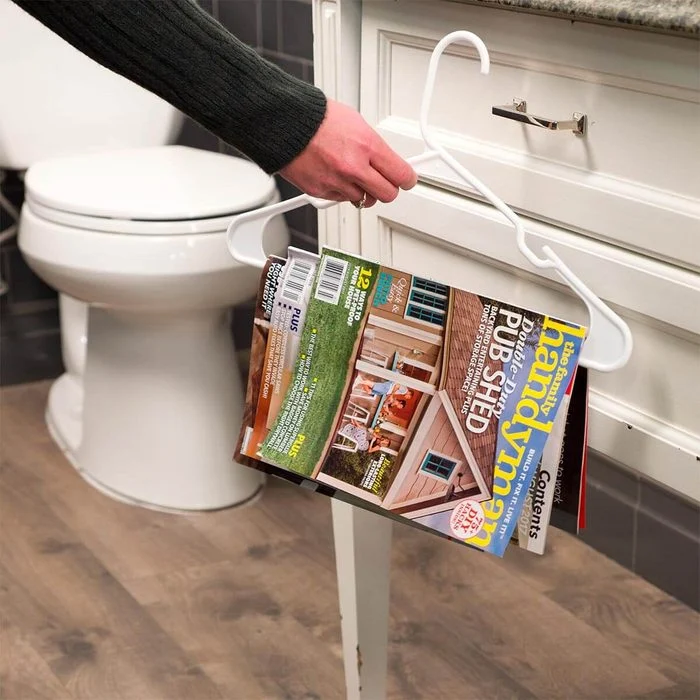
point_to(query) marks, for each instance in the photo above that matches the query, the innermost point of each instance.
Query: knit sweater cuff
(284, 116)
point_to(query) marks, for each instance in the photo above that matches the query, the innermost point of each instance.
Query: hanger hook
(461, 36)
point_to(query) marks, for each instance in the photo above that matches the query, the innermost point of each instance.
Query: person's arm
(176, 50)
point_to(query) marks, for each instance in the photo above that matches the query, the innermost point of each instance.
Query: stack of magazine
(449, 411)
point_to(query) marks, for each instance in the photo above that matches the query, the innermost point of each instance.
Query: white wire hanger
(608, 345)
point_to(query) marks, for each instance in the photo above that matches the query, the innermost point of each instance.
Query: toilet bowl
(134, 241)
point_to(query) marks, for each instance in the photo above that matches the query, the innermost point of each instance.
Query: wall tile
(610, 524)
(309, 73)
(240, 17)
(30, 346)
(303, 220)
(612, 477)
(242, 324)
(31, 359)
(303, 241)
(5, 219)
(25, 285)
(669, 559)
(5, 272)
(12, 188)
(230, 150)
(671, 509)
(19, 325)
(13, 194)
(270, 24)
(298, 218)
(287, 190)
(311, 228)
(293, 66)
(644, 527)
(297, 33)
(196, 136)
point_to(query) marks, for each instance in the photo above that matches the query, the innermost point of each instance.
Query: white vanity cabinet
(620, 204)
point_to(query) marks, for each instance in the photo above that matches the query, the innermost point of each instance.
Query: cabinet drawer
(632, 180)
(644, 414)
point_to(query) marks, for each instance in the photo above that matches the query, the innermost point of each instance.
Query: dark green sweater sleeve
(176, 50)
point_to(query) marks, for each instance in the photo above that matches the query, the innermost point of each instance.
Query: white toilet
(131, 232)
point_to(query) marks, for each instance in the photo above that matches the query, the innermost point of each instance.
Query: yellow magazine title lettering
(538, 396)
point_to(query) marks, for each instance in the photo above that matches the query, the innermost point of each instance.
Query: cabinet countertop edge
(677, 17)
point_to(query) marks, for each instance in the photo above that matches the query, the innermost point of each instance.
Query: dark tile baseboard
(30, 347)
(644, 527)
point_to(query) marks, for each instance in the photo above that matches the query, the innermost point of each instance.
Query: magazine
(568, 509)
(417, 399)
(269, 282)
(562, 463)
(287, 298)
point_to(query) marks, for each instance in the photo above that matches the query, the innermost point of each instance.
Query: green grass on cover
(331, 364)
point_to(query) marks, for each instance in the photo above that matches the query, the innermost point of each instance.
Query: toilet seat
(99, 224)
(167, 190)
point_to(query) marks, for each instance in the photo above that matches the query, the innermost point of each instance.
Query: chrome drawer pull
(518, 112)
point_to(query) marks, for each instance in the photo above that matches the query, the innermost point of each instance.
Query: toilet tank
(56, 101)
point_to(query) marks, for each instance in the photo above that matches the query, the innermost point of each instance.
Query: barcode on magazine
(297, 279)
(330, 279)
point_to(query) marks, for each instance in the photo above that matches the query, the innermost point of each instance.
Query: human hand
(346, 158)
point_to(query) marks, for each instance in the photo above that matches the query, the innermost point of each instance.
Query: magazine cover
(426, 401)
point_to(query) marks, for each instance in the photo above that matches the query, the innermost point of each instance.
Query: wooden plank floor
(103, 601)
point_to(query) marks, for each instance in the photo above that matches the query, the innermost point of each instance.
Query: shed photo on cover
(399, 441)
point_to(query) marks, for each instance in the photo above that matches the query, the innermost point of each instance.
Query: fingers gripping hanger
(609, 342)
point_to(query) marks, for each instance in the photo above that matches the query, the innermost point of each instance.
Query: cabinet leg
(362, 554)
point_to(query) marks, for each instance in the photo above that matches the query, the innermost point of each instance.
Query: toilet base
(59, 427)
(64, 413)
(122, 498)
(161, 412)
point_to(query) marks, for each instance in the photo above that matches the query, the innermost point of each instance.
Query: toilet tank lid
(151, 184)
